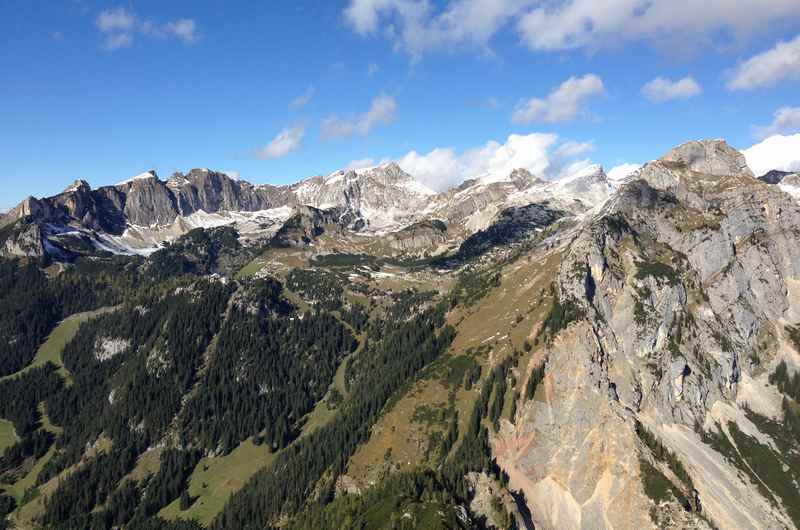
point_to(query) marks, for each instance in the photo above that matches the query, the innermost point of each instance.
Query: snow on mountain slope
(140, 213)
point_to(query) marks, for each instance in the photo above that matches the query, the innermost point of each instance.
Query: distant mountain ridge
(139, 213)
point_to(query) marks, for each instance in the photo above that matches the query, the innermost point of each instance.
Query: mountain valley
(358, 351)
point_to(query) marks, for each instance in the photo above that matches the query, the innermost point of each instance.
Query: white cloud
(776, 152)
(563, 104)
(787, 119)
(301, 101)
(539, 153)
(284, 143)
(416, 27)
(622, 171)
(576, 24)
(662, 89)
(184, 29)
(119, 28)
(571, 148)
(373, 69)
(768, 68)
(381, 112)
(117, 41)
(118, 19)
(419, 26)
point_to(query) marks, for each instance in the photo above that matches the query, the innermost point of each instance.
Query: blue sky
(280, 90)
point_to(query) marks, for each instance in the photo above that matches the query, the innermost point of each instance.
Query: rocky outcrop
(424, 236)
(669, 306)
(511, 226)
(307, 223)
(23, 240)
(709, 157)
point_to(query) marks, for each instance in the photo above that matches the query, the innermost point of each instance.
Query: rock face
(709, 157)
(308, 223)
(425, 235)
(509, 227)
(675, 295)
(387, 196)
(25, 241)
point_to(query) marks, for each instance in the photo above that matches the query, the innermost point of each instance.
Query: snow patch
(106, 348)
(141, 176)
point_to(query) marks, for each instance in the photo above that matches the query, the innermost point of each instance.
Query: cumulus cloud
(768, 68)
(418, 26)
(787, 119)
(119, 28)
(622, 171)
(118, 19)
(285, 142)
(381, 112)
(541, 154)
(571, 148)
(576, 24)
(184, 29)
(301, 101)
(662, 89)
(776, 152)
(562, 104)
(117, 41)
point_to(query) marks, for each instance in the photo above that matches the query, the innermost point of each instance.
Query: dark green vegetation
(656, 484)
(396, 352)
(472, 285)
(658, 270)
(512, 226)
(31, 304)
(537, 376)
(207, 364)
(131, 370)
(420, 493)
(562, 314)
(7, 505)
(200, 251)
(789, 385)
(268, 371)
(182, 366)
(774, 473)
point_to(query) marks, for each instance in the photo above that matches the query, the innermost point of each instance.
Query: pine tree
(186, 501)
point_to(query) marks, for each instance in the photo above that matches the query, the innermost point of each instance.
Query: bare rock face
(424, 236)
(710, 157)
(307, 223)
(387, 196)
(676, 292)
(24, 241)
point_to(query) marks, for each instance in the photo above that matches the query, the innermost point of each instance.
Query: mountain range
(137, 215)
(358, 351)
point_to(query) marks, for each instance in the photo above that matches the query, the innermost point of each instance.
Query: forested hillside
(634, 364)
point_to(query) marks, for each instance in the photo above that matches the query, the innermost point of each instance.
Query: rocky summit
(358, 351)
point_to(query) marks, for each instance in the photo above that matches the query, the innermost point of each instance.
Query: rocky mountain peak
(79, 185)
(591, 181)
(149, 175)
(710, 157)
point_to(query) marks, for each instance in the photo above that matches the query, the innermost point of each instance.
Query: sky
(276, 91)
